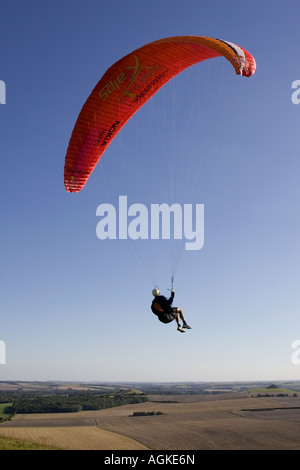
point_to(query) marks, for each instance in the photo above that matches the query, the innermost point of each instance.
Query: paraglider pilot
(162, 307)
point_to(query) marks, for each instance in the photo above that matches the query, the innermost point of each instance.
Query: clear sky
(74, 307)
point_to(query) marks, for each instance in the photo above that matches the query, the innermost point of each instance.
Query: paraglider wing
(127, 85)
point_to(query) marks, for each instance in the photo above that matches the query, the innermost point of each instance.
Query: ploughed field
(185, 422)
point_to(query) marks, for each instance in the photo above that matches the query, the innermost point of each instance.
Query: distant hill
(177, 388)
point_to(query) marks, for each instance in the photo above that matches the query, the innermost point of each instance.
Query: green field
(5, 410)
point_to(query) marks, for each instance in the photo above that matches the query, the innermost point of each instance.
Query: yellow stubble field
(73, 437)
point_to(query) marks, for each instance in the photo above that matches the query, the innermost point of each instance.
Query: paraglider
(162, 307)
(124, 88)
(127, 85)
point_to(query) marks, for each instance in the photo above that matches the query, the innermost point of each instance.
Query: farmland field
(186, 422)
(73, 437)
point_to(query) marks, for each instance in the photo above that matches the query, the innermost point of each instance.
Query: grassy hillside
(17, 444)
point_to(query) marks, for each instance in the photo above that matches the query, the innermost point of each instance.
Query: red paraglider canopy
(127, 85)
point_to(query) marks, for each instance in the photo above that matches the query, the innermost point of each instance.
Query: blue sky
(76, 308)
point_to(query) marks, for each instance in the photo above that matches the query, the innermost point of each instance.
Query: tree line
(63, 402)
